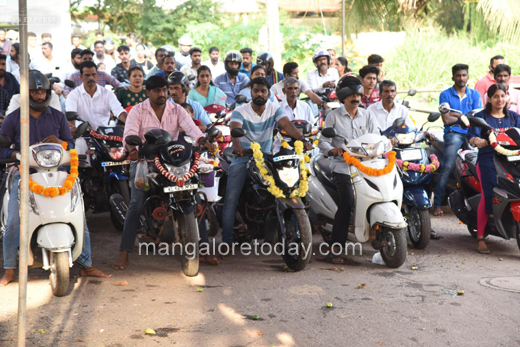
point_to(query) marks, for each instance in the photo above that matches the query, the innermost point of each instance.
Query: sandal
(482, 250)
(334, 259)
(435, 236)
(209, 259)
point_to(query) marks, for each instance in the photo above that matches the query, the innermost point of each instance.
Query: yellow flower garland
(273, 189)
(67, 185)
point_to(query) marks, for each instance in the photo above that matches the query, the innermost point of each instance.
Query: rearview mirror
(444, 107)
(211, 134)
(433, 117)
(5, 141)
(220, 114)
(329, 133)
(70, 84)
(412, 92)
(238, 132)
(241, 99)
(398, 123)
(72, 116)
(192, 77)
(478, 122)
(133, 140)
(81, 130)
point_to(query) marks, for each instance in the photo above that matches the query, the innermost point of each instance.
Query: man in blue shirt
(168, 67)
(7, 80)
(247, 64)
(178, 89)
(232, 82)
(464, 99)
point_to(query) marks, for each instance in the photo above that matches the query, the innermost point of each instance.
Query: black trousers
(342, 217)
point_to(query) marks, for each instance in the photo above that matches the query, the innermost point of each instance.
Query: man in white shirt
(387, 111)
(48, 63)
(100, 56)
(291, 70)
(191, 69)
(323, 77)
(217, 67)
(93, 103)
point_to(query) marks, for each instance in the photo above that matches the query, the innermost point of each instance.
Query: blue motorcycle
(416, 167)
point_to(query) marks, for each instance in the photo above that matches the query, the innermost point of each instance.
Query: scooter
(56, 224)
(505, 220)
(377, 213)
(416, 171)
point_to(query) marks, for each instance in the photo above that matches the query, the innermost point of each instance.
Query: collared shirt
(224, 83)
(154, 71)
(96, 109)
(102, 80)
(302, 111)
(246, 72)
(4, 101)
(374, 97)
(15, 102)
(259, 128)
(513, 99)
(316, 80)
(188, 70)
(109, 62)
(277, 89)
(348, 127)
(484, 83)
(120, 73)
(12, 67)
(142, 118)
(469, 102)
(50, 122)
(49, 66)
(386, 119)
(199, 111)
(216, 70)
(11, 86)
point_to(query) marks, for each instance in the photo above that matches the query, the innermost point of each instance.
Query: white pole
(273, 32)
(24, 172)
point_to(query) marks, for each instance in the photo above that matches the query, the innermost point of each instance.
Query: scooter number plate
(288, 157)
(411, 154)
(115, 163)
(174, 189)
(513, 158)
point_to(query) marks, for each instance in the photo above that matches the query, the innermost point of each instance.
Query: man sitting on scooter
(46, 125)
(350, 121)
(258, 118)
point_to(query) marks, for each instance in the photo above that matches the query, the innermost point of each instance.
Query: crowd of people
(163, 88)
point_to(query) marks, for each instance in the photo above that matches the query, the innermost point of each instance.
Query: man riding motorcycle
(350, 121)
(232, 82)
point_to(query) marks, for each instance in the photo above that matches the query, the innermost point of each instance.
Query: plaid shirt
(102, 80)
(4, 100)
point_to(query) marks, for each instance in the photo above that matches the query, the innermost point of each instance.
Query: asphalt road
(372, 305)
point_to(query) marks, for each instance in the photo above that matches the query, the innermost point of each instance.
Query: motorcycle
(505, 220)
(376, 215)
(416, 171)
(56, 224)
(169, 211)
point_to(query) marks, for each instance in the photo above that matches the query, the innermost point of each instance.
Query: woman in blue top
(256, 71)
(205, 92)
(497, 115)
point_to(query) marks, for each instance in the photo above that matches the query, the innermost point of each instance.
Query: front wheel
(298, 232)
(518, 234)
(419, 227)
(189, 235)
(59, 264)
(394, 252)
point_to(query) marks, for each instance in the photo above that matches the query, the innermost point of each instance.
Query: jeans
(12, 232)
(236, 180)
(344, 212)
(452, 143)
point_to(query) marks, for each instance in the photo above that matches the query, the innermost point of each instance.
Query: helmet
(348, 85)
(38, 81)
(265, 58)
(230, 57)
(169, 49)
(186, 40)
(320, 53)
(177, 77)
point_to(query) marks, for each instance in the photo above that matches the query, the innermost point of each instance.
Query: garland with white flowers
(179, 180)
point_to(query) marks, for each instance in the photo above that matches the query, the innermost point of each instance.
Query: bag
(141, 180)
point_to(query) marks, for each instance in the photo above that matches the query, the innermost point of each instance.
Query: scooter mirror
(81, 129)
(70, 84)
(444, 107)
(220, 114)
(71, 116)
(241, 99)
(5, 141)
(238, 132)
(478, 122)
(433, 117)
(192, 77)
(398, 123)
(212, 134)
(412, 92)
(329, 133)
(134, 140)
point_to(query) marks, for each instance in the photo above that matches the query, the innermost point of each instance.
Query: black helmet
(348, 85)
(265, 58)
(230, 57)
(177, 77)
(38, 81)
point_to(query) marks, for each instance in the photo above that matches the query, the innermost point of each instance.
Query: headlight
(74, 196)
(117, 153)
(179, 171)
(47, 157)
(289, 176)
(406, 139)
(357, 150)
(374, 149)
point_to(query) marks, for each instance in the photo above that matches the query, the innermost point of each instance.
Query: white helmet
(320, 53)
(186, 40)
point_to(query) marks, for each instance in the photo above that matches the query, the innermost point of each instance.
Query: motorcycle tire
(394, 253)
(211, 217)
(120, 187)
(419, 227)
(518, 235)
(60, 272)
(302, 235)
(189, 234)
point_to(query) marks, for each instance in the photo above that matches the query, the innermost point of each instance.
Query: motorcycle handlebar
(8, 161)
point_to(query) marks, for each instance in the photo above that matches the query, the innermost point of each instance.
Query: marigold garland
(67, 185)
(368, 170)
(272, 188)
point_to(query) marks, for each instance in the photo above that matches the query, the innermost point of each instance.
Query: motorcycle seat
(227, 154)
(470, 158)
(323, 172)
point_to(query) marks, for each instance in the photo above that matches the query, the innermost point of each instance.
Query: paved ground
(372, 305)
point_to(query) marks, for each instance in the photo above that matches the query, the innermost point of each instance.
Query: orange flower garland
(368, 170)
(67, 185)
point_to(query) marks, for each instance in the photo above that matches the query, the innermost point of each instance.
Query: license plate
(287, 157)
(411, 154)
(174, 189)
(513, 158)
(115, 163)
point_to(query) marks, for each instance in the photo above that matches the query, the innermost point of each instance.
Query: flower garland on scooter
(493, 141)
(273, 189)
(105, 137)
(179, 180)
(69, 181)
(407, 166)
(368, 170)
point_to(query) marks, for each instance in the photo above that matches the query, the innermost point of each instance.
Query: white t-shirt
(386, 119)
(15, 103)
(316, 80)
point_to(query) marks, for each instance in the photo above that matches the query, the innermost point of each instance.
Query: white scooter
(56, 225)
(377, 213)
